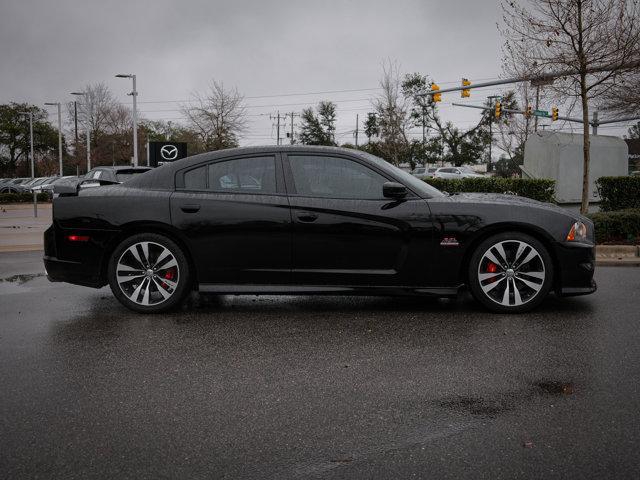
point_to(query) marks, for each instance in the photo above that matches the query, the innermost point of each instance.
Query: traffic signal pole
(536, 80)
(518, 112)
(595, 123)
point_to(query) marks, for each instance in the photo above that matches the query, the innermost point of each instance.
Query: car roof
(118, 168)
(162, 178)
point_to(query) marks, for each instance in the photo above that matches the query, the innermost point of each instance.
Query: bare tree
(97, 106)
(393, 112)
(598, 41)
(218, 115)
(624, 98)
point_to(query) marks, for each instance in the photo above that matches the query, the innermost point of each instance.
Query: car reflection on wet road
(316, 387)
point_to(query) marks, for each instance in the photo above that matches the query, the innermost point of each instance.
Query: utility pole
(357, 128)
(277, 127)
(278, 143)
(293, 115)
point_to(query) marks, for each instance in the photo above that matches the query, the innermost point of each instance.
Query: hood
(515, 200)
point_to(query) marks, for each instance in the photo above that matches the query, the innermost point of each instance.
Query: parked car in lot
(13, 185)
(423, 172)
(455, 172)
(47, 187)
(34, 185)
(116, 174)
(312, 220)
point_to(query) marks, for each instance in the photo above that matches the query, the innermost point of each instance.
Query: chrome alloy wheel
(511, 273)
(147, 273)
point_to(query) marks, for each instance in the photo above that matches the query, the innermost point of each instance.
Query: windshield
(421, 188)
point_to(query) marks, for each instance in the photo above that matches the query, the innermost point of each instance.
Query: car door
(234, 214)
(344, 231)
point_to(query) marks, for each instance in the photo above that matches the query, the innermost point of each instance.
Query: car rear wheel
(510, 272)
(149, 273)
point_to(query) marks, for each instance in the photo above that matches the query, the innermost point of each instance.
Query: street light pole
(33, 167)
(87, 111)
(59, 132)
(134, 94)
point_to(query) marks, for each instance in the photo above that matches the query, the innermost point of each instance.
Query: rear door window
(242, 175)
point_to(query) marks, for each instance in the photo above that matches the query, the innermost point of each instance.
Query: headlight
(578, 232)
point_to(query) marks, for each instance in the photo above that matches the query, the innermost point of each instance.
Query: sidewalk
(19, 230)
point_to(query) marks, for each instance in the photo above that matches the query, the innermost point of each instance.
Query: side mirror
(394, 190)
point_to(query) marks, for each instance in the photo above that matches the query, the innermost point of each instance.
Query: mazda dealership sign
(163, 152)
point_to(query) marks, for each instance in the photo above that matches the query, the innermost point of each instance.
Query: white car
(456, 172)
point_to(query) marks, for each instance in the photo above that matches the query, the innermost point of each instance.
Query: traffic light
(465, 92)
(529, 111)
(554, 113)
(498, 110)
(436, 97)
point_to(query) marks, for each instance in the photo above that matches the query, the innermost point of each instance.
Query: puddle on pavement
(477, 406)
(505, 402)
(21, 279)
(556, 388)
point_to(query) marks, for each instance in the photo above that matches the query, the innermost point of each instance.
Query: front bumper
(576, 265)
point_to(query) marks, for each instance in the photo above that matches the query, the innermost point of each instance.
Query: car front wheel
(149, 273)
(510, 272)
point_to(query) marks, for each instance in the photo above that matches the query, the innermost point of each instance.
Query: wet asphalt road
(316, 387)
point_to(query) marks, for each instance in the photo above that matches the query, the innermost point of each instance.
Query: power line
(320, 92)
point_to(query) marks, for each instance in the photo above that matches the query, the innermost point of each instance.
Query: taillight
(78, 238)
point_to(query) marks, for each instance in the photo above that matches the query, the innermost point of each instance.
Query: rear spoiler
(72, 190)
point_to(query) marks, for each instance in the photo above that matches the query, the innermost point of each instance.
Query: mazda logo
(169, 152)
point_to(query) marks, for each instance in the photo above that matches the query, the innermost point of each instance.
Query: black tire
(156, 278)
(512, 285)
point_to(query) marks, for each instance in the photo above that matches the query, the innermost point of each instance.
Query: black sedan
(312, 220)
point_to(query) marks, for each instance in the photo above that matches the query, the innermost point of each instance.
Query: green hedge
(622, 226)
(538, 189)
(618, 193)
(22, 197)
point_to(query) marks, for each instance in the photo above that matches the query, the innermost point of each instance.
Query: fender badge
(449, 242)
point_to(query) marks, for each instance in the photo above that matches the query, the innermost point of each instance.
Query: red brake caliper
(492, 268)
(169, 274)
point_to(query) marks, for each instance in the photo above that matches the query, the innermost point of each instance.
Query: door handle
(190, 208)
(307, 217)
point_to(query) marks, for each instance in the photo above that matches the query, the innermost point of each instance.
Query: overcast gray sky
(264, 48)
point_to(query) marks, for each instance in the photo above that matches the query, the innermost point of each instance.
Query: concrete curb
(618, 255)
(21, 248)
